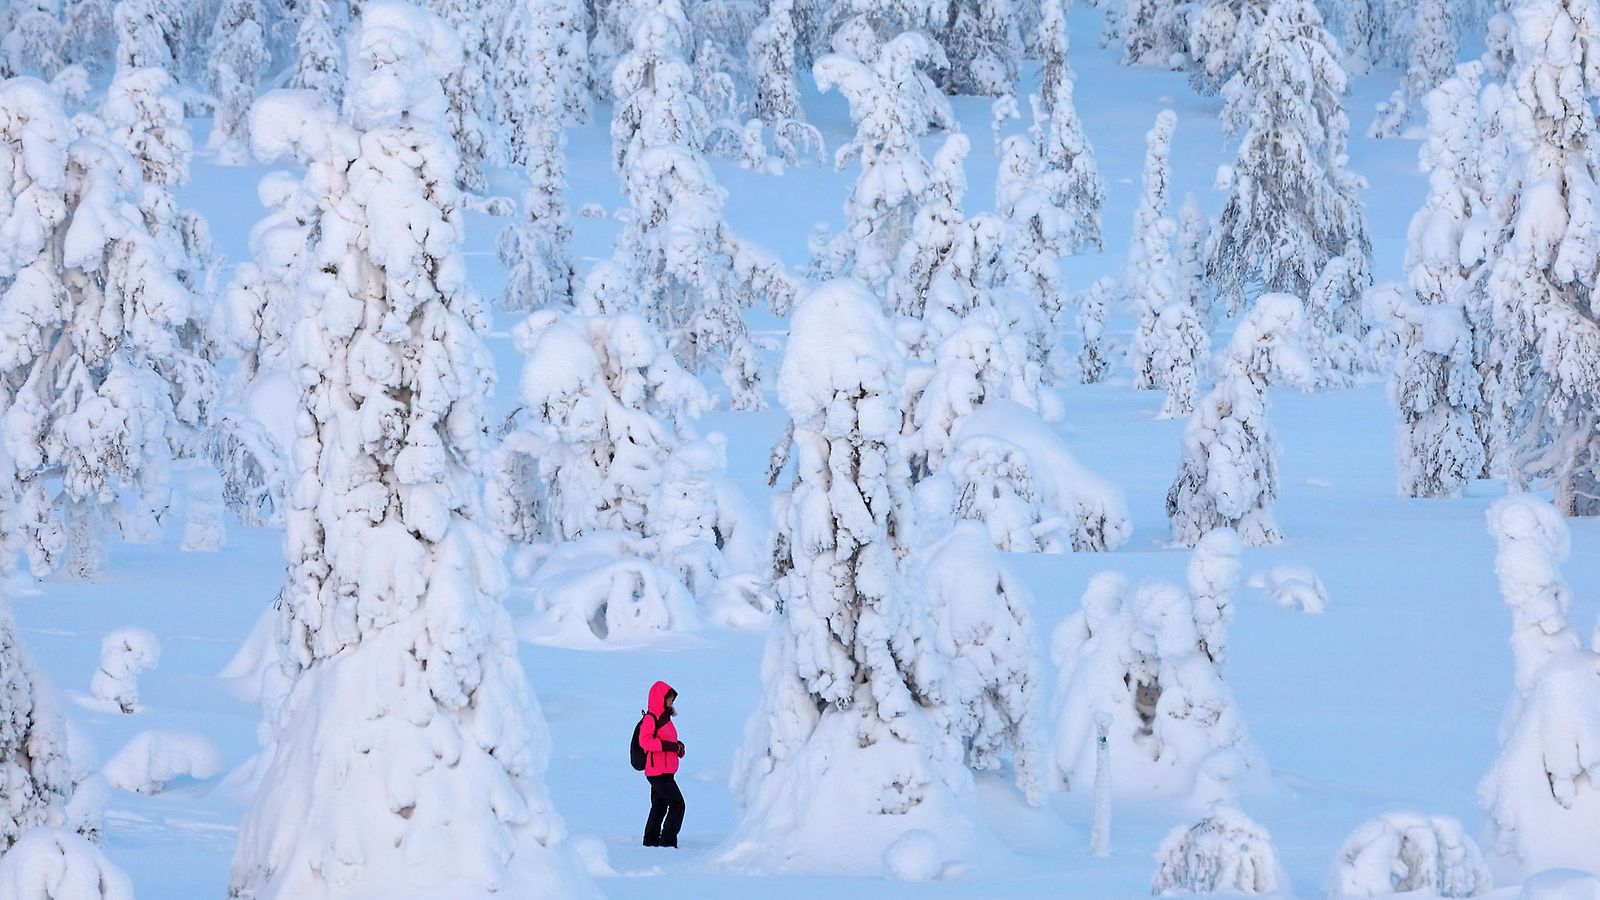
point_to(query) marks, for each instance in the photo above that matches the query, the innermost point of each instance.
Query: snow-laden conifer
(477, 24)
(318, 56)
(541, 80)
(34, 765)
(238, 60)
(1541, 794)
(1229, 474)
(1093, 357)
(32, 45)
(408, 715)
(1432, 59)
(1291, 205)
(1401, 852)
(87, 34)
(1224, 853)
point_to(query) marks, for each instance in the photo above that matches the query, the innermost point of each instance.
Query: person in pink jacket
(659, 739)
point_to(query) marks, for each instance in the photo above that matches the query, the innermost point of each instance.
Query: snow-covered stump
(1401, 852)
(124, 653)
(846, 752)
(1542, 794)
(409, 755)
(1229, 474)
(57, 864)
(1224, 853)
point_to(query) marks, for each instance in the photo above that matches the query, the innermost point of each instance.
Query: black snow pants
(666, 812)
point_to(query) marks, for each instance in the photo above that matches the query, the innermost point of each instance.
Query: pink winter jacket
(656, 760)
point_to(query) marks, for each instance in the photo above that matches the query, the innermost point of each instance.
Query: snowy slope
(1388, 700)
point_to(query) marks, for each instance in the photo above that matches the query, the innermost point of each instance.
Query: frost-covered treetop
(840, 344)
(395, 59)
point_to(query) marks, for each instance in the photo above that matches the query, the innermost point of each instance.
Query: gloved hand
(680, 749)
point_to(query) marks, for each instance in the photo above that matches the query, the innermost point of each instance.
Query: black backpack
(636, 754)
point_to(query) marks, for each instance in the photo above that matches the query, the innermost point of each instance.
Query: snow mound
(1225, 852)
(591, 852)
(56, 864)
(1399, 852)
(1293, 587)
(154, 758)
(914, 856)
(1561, 884)
(595, 590)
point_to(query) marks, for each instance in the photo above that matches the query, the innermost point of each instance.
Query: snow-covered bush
(408, 714)
(982, 626)
(152, 759)
(604, 587)
(238, 60)
(58, 864)
(914, 856)
(1400, 852)
(1229, 474)
(845, 753)
(1224, 853)
(124, 653)
(1143, 655)
(1288, 211)
(100, 377)
(34, 766)
(1543, 793)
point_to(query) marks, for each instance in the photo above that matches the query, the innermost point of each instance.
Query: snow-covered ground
(1387, 700)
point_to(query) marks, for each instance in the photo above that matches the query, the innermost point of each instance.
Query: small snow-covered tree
(1138, 654)
(147, 34)
(238, 60)
(891, 108)
(1291, 205)
(1225, 852)
(32, 45)
(535, 250)
(33, 747)
(1542, 794)
(1066, 150)
(774, 49)
(124, 653)
(1542, 265)
(318, 58)
(408, 715)
(1054, 45)
(477, 24)
(1191, 275)
(983, 47)
(1219, 38)
(541, 80)
(1212, 576)
(981, 623)
(1439, 395)
(1039, 235)
(1402, 852)
(845, 752)
(1229, 474)
(100, 386)
(1155, 32)
(1433, 58)
(1093, 360)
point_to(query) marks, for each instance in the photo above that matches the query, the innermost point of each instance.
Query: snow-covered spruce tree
(33, 747)
(318, 57)
(236, 65)
(99, 385)
(87, 34)
(1229, 474)
(1220, 36)
(1093, 359)
(1225, 852)
(1137, 654)
(1439, 395)
(1401, 852)
(478, 25)
(1054, 45)
(541, 80)
(981, 624)
(846, 753)
(983, 47)
(690, 274)
(1433, 58)
(147, 34)
(1212, 576)
(1065, 149)
(1362, 35)
(535, 250)
(1039, 237)
(1542, 794)
(1192, 230)
(1291, 205)
(1155, 32)
(1542, 239)
(890, 108)
(408, 717)
(774, 53)
(32, 44)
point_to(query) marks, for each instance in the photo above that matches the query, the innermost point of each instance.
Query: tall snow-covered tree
(1155, 32)
(1432, 52)
(1543, 235)
(1054, 45)
(32, 44)
(1542, 794)
(318, 57)
(1031, 197)
(236, 65)
(147, 35)
(1192, 231)
(890, 108)
(1291, 205)
(1093, 360)
(407, 715)
(1439, 395)
(1229, 474)
(99, 386)
(1221, 33)
(477, 24)
(845, 753)
(88, 37)
(981, 42)
(1065, 149)
(774, 54)
(541, 79)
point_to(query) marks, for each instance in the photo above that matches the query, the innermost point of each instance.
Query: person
(658, 736)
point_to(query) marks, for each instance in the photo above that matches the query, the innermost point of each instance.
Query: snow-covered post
(1100, 837)
(408, 716)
